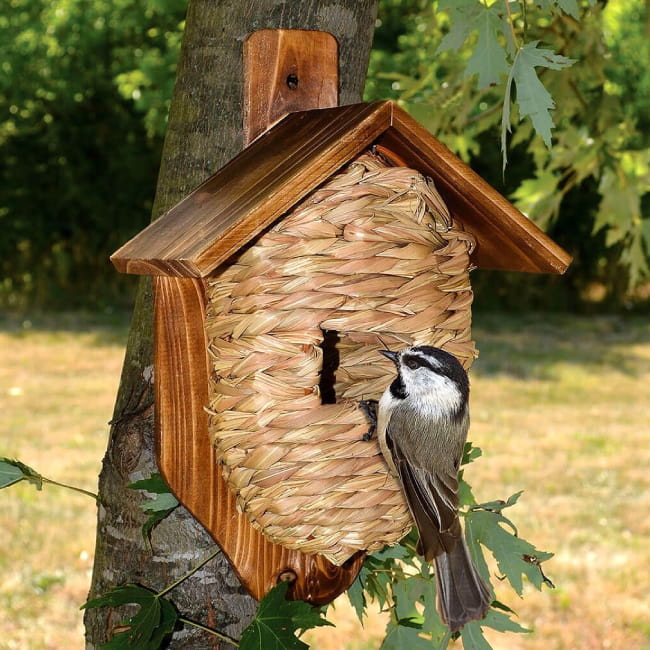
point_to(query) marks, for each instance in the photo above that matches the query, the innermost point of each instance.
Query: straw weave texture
(374, 255)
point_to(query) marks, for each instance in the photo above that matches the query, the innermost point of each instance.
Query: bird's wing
(432, 497)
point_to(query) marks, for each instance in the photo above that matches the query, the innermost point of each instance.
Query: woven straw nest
(373, 255)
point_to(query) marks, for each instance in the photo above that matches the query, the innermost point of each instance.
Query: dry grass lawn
(560, 406)
(58, 381)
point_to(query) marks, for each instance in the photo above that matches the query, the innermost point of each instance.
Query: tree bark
(204, 132)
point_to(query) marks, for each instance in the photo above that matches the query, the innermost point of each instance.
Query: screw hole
(292, 81)
(288, 575)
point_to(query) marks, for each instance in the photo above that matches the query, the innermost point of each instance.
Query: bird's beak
(389, 354)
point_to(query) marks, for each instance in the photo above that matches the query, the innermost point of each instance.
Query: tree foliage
(86, 86)
(80, 151)
(555, 74)
(396, 578)
(403, 584)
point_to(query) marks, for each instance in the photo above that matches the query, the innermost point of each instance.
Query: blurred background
(85, 86)
(560, 392)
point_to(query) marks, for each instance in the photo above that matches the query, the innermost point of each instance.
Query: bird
(422, 420)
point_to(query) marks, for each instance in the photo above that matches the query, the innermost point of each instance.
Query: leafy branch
(404, 585)
(396, 577)
(533, 99)
(156, 617)
(13, 472)
(276, 625)
(499, 52)
(157, 508)
(475, 71)
(278, 621)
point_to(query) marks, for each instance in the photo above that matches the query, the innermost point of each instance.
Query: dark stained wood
(204, 132)
(252, 191)
(186, 458)
(284, 70)
(298, 154)
(187, 461)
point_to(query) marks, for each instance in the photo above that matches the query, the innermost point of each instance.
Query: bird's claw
(369, 408)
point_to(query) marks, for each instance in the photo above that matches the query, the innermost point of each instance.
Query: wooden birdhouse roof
(298, 154)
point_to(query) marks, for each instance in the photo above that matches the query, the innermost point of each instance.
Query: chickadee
(422, 423)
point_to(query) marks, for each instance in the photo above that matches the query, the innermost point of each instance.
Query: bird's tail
(463, 596)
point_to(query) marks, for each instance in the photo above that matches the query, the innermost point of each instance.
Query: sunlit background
(559, 394)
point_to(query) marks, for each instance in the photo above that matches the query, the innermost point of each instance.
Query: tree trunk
(205, 131)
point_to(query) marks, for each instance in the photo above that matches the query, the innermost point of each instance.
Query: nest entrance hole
(331, 360)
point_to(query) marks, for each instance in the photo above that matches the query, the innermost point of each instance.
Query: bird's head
(431, 374)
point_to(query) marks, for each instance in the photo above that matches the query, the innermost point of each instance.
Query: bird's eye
(412, 363)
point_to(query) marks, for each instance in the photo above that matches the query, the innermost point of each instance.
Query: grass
(58, 380)
(560, 406)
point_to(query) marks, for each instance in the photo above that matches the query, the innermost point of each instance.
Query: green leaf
(382, 568)
(623, 184)
(390, 553)
(498, 506)
(166, 502)
(432, 623)
(473, 639)
(569, 7)
(145, 630)
(515, 556)
(405, 594)
(470, 453)
(621, 202)
(539, 198)
(532, 97)
(502, 622)
(356, 595)
(278, 620)
(462, 16)
(505, 116)
(154, 519)
(10, 473)
(488, 59)
(419, 589)
(13, 471)
(377, 584)
(155, 483)
(465, 494)
(160, 506)
(400, 637)
(472, 633)
(457, 5)
(635, 256)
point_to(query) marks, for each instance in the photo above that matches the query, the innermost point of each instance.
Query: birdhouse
(337, 233)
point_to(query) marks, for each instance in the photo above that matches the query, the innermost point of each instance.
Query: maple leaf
(278, 621)
(146, 630)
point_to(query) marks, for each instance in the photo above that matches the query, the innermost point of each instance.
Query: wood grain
(297, 155)
(287, 71)
(186, 458)
(188, 463)
(252, 191)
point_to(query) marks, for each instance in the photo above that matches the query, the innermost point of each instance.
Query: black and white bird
(422, 423)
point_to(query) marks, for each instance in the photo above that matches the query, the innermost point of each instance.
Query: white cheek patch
(438, 395)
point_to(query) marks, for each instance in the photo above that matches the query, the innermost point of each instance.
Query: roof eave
(253, 190)
(298, 154)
